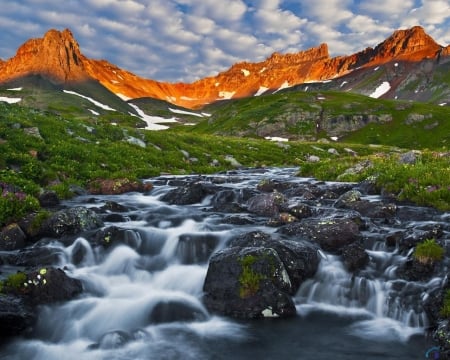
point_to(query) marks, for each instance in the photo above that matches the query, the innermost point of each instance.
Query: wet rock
(114, 207)
(267, 204)
(414, 270)
(191, 193)
(196, 248)
(348, 198)
(409, 158)
(113, 235)
(176, 311)
(248, 283)
(49, 199)
(299, 258)
(71, 221)
(227, 201)
(301, 211)
(330, 234)
(35, 256)
(16, 316)
(49, 285)
(442, 336)
(355, 257)
(12, 238)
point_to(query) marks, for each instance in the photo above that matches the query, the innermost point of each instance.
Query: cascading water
(142, 298)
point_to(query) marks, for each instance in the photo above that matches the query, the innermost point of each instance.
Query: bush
(15, 204)
(428, 252)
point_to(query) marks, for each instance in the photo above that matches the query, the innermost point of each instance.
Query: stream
(132, 291)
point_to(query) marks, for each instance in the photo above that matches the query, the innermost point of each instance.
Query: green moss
(15, 281)
(249, 279)
(428, 252)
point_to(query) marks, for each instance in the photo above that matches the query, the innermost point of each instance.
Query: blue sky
(184, 40)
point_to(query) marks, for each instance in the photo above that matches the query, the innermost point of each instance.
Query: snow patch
(245, 72)
(343, 83)
(95, 102)
(261, 90)
(334, 138)
(396, 64)
(153, 121)
(226, 94)
(10, 100)
(276, 138)
(15, 89)
(376, 68)
(177, 111)
(94, 112)
(123, 97)
(114, 82)
(442, 104)
(206, 114)
(284, 85)
(187, 98)
(262, 70)
(381, 90)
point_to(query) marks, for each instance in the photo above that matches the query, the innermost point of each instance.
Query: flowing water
(340, 315)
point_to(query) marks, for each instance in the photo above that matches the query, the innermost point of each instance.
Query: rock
(36, 256)
(117, 186)
(330, 234)
(12, 238)
(301, 211)
(232, 161)
(299, 258)
(16, 316)
(190, 193)
(413, 270)
(409, 158)
(346, 199)
(442, 336)
(33, 131)
(196, 248)
(71, 221)
(176, 310)
(114, 207)
(313, 159)
(354, 257)
(227, 201)
(113, 235)
(49, 199)
(49, 285)
(112, 340)
(248, 283)
(357, 169)
(267, 204)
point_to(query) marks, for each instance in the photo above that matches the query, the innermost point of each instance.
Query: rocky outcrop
(57, 57)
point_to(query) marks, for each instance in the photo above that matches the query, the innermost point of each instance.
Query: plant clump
(249, 279)
(429, 252)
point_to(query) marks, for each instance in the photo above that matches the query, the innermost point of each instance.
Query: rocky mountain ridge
(57, 57)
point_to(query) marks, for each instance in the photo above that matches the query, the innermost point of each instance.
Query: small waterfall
(376, 298)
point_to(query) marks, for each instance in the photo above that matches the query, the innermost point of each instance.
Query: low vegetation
(429, 252)
(64, 145)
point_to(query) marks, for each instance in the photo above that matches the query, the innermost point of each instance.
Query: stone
(248, 283)
(12, 238)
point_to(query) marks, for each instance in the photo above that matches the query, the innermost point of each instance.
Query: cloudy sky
(184, 40)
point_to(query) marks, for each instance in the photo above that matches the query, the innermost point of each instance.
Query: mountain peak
(57, 56)
(409, 44)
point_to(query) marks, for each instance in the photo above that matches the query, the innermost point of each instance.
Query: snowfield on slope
(381, 90)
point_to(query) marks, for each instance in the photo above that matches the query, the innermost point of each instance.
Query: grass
(429, 252)
(74, 147)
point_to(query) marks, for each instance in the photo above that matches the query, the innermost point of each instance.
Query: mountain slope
(57, 57)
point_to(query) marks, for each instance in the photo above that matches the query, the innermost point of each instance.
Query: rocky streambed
(247, 263)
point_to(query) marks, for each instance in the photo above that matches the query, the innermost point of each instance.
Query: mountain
(406, 57)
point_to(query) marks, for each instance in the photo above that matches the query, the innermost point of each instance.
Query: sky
(185, 40)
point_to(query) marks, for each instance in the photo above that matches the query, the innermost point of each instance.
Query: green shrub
(428, 252)
(15, 205)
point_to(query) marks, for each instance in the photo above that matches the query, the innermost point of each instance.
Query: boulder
(118, 186)
(248, 283)
(355, 257)
(266, 204)
(176, 311)
(12, 238)
(48, 199)
(196, 248)
(71, 221)
(188, 194)
(227, 201)
(299, 258)
(331, 234)
(113, 235)
(16, 316)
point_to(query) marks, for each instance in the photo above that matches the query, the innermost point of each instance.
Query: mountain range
(409, 64)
